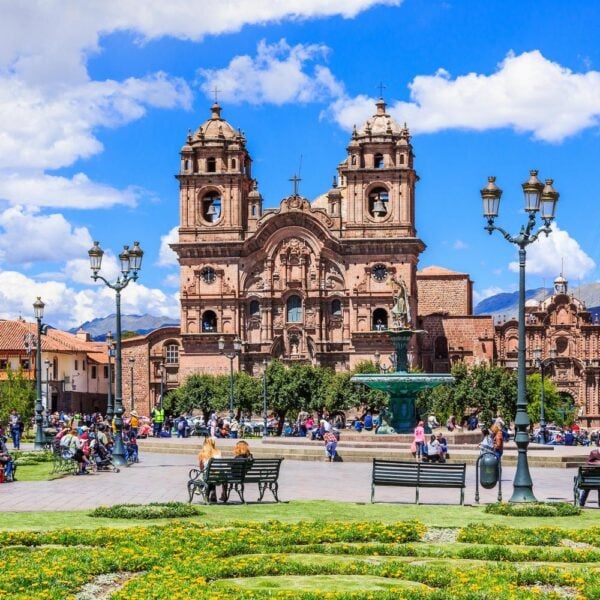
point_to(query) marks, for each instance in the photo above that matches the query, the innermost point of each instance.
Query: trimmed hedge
(534, 509)
(154, 510)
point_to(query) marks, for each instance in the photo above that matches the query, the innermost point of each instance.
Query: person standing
(419, 440)
(16, 428)
(498, 438)
(330, 445)
(134, 423)
(158, 419)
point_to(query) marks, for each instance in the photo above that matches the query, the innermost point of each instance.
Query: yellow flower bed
(187, 560)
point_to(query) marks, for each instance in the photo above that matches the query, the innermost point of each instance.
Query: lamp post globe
(534, 191)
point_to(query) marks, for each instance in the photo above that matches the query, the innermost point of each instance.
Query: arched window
(378, 161)
(380, 319)
(211, 165)
(441, 348)
(254, 308)
(186, 164)
(402, 159)
(378, 202)
(294, 309)
(353, 159)
(209, 322)
(233, 164)
(336, 308)
(211, 207)
(172, 354)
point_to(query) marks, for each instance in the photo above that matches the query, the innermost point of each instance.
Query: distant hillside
(506, 304)
(141, 324)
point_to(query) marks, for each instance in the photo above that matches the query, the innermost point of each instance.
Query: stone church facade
(310, 281)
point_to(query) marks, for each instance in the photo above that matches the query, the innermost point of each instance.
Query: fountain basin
(402, 387)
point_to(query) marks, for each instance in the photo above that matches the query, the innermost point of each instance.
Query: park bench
(587, 478)
(234, 474)
(264, 472)
(418, 475)
(228, 472)
(62, 461)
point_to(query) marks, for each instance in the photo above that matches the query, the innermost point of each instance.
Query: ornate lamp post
(131, 363)
(109, 401)
(131, 263)
(541, 364)
(543, 198)
(264, 382)
(38, 311)
(237, 348)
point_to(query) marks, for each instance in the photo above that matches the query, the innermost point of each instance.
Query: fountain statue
(402, 386)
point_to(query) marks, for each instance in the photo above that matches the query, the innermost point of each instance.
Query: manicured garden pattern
(305, 560)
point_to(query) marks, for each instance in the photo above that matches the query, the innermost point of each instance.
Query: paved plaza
(162, 477)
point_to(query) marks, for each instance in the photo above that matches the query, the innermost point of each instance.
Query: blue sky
(96, 99)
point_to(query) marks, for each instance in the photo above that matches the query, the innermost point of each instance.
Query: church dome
(532, 303)
(216, 128)
(380, 124)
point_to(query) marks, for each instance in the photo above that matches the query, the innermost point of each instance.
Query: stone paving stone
(163, 478)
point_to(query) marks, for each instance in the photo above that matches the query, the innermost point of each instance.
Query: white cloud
(545, 256)
(166, 256)
(42, 190)
(527, 93)
(460, 245)
(67, 307)
(259, 79)
(27, 237)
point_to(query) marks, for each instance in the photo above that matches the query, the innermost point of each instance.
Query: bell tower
(379, 178)
(215, 180)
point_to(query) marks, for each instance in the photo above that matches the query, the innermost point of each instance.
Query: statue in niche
(401, 308)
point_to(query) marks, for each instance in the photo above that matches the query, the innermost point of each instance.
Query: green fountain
(402, 386)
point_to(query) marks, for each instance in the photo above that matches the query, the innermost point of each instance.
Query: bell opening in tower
(211, 207)
(378, 202)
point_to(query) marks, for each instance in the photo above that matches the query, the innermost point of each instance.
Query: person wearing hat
(593, 460)
(134, 423)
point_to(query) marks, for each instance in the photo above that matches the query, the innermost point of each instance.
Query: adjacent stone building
(560, 323)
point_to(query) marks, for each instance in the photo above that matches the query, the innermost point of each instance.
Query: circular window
(208, 275)
(379, 272)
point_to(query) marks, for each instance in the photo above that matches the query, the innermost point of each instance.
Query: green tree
(17, 393)
(200, 391)
(552, 400)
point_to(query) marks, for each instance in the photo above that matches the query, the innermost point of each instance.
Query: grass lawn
(38, 472)
(433, 516)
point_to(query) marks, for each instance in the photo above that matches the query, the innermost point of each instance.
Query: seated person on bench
(594, 461)
(6, 461)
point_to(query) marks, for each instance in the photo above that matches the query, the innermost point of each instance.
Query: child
(330, 445)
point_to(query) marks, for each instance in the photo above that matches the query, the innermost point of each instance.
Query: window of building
(378, 202)
(3, 364)
(294, 309)
(211, 165)
(209, 322)
(254, 210)
(186, 165)
(336, 308)
(55, 368)
(172, 353)
(105, 371)
(94, 372)
(380, 319)
(441, 348)
(211, 207)
(25, 365)
(255, 308)
(402, 159)
(76, 365)
(378, 161)
(354, 159)
(233, 164)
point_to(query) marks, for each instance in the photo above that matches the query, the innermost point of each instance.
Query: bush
(534, 509)
(154, 510)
